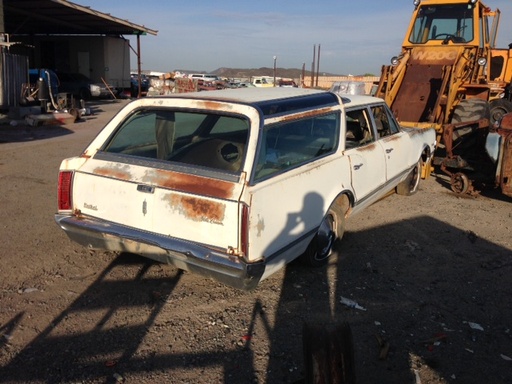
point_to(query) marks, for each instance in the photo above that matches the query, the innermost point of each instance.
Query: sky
(355, 37)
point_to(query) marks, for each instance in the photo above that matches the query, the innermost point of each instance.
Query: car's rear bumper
(186, 255)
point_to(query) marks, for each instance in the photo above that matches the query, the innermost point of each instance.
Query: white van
(204, 77)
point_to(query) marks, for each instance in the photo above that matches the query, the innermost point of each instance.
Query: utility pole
(313, 67)
(275, 59)
(318, 65)
(303, 77)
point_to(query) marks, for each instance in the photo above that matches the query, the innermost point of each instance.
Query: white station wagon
(234, 184)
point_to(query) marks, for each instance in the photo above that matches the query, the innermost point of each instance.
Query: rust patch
(198, 209)
(506, 121)
(260, 226)
(370, 147)
(116, 173)
(416, 131)
(316, 112)
(506, 170)
(211, 105)
(387, 139)
(193, 184)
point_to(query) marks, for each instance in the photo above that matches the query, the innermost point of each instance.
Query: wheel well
(345, 200)
(425, 155)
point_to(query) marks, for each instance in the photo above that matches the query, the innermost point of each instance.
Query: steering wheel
(449, 36)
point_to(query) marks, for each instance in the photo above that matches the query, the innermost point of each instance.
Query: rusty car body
(234, 184)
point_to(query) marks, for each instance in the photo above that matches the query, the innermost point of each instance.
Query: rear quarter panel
(286, 209)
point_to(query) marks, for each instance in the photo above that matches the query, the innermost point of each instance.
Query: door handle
(357, 166)
(389, 150)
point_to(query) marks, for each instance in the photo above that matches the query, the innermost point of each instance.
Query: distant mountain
(293, 73)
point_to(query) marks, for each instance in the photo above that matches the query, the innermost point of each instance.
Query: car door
(393, 141)
(367, 157)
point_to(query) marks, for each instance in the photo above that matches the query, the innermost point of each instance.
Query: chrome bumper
(189, 256)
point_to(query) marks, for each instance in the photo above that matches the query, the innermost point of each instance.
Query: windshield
(444, 23)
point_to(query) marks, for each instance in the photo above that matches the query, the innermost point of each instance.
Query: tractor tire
(469, 110)
(499, 107)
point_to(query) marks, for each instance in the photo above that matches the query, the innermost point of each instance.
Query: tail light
(64, 190)
(244, 230)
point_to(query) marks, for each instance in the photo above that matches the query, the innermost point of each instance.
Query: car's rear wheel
(329, 232)
(411, 184)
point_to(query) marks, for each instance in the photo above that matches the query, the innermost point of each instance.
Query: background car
(286, 83)
(83, 87)
(134, 84)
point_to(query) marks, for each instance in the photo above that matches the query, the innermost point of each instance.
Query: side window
(358, 130)
(287, 145)
(384, 122)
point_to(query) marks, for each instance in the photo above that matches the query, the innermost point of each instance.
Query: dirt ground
(431, 271)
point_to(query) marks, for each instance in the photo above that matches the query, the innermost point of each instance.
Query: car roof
(258, 95)
(358, 100)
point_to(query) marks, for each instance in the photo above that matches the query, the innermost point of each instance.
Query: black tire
(328, 354)
(499, 107)
(84, 94)
(471, 110)
(465, 139)
(411, 183)
(329, 233)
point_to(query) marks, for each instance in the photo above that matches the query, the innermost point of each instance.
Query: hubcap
(325, 239)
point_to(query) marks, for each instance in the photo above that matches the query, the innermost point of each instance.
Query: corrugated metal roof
(61, 17)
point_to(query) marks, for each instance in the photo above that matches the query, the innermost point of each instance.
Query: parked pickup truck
(234, 184)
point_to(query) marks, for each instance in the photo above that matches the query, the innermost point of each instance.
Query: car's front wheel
(329, 232)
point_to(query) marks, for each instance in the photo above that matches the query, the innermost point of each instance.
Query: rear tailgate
(180, 205)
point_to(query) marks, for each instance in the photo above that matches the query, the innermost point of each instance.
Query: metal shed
(31, 21)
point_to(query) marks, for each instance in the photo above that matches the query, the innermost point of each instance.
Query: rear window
(200, 139)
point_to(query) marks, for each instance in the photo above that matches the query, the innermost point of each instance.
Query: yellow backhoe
(449, 75)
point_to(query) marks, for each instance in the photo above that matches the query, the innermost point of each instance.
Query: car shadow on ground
(422, 292)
